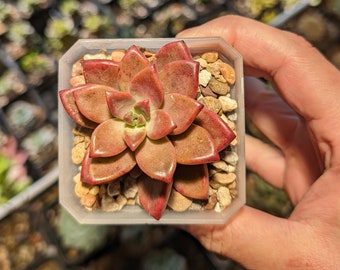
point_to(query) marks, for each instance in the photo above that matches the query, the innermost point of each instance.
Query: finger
(256, 245)
(270, 164)
(286, 130)
(305, 79)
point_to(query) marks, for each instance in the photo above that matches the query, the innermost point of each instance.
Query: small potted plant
(146, 123)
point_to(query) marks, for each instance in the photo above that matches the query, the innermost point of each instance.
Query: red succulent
(144, 113)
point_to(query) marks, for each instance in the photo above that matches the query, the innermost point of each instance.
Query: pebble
(113, 188)
(220, 165)
(212, 104)
(224, 178)
(178, 202)
(207, 92)
(228, 104)
(230, 157)
(210, 57)
(218, 87)
(204, 77)
(228, 72)
(223, 196)
(88, 200)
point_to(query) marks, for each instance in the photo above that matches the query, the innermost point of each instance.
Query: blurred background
(36, 233)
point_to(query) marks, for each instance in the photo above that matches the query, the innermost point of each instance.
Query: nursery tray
(135, 214)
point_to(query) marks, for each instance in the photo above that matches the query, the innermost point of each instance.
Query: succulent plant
(144, 114)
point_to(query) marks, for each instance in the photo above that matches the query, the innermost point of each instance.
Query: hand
(302, 120)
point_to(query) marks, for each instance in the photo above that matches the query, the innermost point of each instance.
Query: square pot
(135, 214)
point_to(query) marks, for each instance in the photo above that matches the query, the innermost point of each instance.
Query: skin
(302, 119)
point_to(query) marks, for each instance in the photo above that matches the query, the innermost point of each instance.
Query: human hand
(302, 120)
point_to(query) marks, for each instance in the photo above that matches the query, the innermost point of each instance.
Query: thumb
(253, 238)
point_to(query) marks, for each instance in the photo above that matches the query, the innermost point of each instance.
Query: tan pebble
(232, 116)
(88, 200)
(231, 168)
(94, 190)
(131, 201)
(210, 57)
(212, 104)
(99, 55)
(203, 63)
(122, 201)
(178, 202)
(223, 196)
(224, 178)
(77, 69)
(233, 192)
(234, 142)
(214, 184)
(78, 139)
(77, 153)
(220, 165)
(228, 104)
(230, 157)
(214, 68)
(130, 187)
(117, 55)
(212, 171)
(232, 186)
(230, 123)
(195, 206)
(211, 202)
(221, 79)
(204, 77)
(218, 87)
(77, 80)
(76, 178)
(113, 188)
(109, 204)
(228, 72)
(80, 189)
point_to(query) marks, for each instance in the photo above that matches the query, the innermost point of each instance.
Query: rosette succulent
(144, 114)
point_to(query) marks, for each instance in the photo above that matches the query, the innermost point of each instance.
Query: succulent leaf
(143, 107)
(181, 77)
(101, 71)
(161, 150)
(69, 103)
(172, 51)
(101, 170)
(222, 134)
(107, 139)
(153, 195)
(146, 85)
(134, 136)
(192, 181)
(132, 62)
(160, 125)
(195, 146)
(91, 102)
(182, 109)
(119, 103)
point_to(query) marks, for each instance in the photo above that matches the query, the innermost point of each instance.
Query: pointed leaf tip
(222, 134)
(132, 62)
(153, 195)
(177, 50)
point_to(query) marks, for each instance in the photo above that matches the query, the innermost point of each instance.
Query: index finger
(304, 78)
